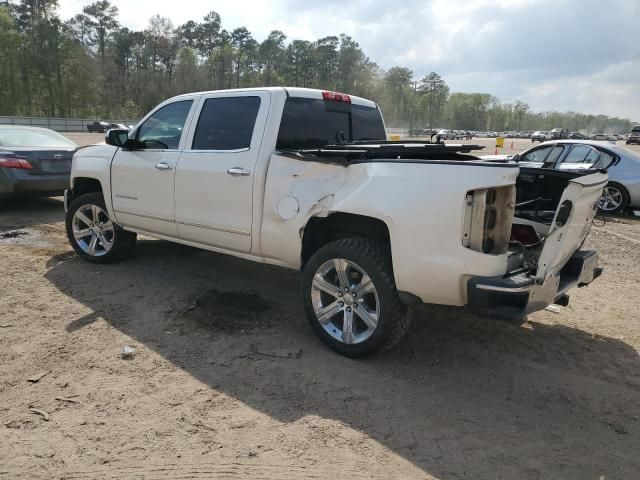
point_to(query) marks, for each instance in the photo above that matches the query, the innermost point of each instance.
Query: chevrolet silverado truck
(306, 180)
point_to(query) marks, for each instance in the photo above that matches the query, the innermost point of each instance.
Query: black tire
(375, 259)
(123, 241)
(625, 199)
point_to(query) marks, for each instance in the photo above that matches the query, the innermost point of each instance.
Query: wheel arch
(82, 185)
(320, 230)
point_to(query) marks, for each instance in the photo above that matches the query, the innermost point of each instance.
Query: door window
(604, 161)
(581, 154)
(554, 155)
(163, 129)
(226, 123)
(538, 155)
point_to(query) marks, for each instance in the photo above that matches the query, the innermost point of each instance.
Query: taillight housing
(12, 160)
(336, 97)
(488, 216)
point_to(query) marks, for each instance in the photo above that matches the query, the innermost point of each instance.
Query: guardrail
(80, 124)
(58, 124)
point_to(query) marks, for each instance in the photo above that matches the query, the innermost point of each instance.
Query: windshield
(312, 123)
(27, 137)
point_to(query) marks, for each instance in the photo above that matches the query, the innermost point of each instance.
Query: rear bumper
(514, 297)
(14, 185)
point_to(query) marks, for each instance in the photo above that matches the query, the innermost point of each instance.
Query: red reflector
(15, 162)
(336, 97)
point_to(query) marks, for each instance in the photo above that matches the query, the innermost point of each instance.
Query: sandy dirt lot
(228, 381)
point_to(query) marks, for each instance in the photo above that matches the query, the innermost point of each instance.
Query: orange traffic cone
(496, 151)
(511, 143)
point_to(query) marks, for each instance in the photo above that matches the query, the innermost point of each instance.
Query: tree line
(92, 66)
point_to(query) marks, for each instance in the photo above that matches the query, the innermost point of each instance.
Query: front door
(142, 177)
(215, 174)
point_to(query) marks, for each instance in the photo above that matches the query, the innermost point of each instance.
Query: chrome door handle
(163, 166)
(237, 171)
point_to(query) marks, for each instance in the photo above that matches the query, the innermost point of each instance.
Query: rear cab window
(313, 123)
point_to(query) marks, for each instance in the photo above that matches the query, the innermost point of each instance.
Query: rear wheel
(92, 234)
(350, 297)
(615, 198)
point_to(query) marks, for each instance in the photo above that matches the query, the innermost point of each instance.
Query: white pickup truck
(305, 179)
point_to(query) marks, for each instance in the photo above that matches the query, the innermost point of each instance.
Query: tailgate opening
(553, 214)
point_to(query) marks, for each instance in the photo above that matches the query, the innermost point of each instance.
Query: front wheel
(92, 234)
(350, 297)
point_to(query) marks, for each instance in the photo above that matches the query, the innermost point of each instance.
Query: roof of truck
(290, 91)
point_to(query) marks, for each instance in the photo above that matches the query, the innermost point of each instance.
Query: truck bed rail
(367, 151)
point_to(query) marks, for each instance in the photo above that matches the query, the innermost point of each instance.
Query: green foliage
(90, 66)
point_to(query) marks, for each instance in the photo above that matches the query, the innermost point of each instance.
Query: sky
(580, 55)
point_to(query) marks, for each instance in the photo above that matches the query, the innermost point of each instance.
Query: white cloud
(571, 54)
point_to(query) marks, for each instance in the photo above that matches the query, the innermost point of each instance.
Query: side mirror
(516, 157)
(116, 137)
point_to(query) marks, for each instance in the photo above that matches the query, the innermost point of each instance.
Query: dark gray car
(34, 161)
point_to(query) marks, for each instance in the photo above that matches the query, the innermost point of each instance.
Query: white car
(541, 136)
(305, 179)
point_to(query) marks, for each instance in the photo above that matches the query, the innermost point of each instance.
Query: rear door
(215, 175)
(579, 158)
(570, 226)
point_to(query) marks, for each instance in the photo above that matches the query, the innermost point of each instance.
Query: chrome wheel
(345, 301)
(93, 230)
(611, 199)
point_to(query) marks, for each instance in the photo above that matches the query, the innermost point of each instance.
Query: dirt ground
(228, 381)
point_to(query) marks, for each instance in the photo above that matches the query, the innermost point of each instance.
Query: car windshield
(27, 137)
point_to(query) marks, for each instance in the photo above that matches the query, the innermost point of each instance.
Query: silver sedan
(622, 164)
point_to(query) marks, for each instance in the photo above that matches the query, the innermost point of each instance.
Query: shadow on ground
(28, 212)
(461, 397)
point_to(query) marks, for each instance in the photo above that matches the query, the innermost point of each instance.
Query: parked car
(559, 133)
(119, 125)
(463, 135)
(540, 136)
(577, 136)
(633, 138)
(34, 161)
(267, 174)
(446, 134)
(622, 165)
(97, 127)
(602, 137)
